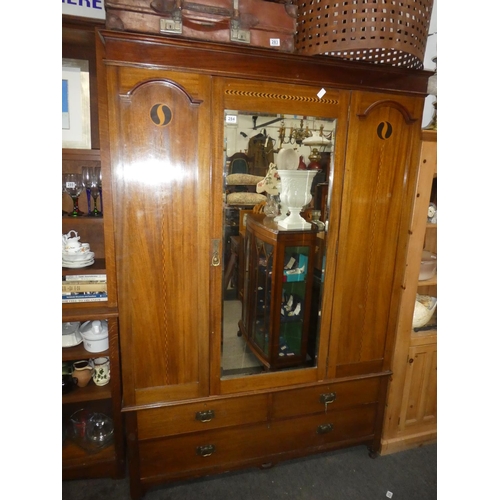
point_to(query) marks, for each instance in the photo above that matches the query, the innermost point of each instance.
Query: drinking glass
(87, 179)
(95, 190)
(98, 173)
(63, 191)
(74, 186)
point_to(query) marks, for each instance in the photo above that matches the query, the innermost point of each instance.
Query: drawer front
(201, 453)
(204, 452)
(325, 398)
(201, 416)
(317, 431)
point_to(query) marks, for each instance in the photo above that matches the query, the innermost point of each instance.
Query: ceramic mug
(101, 371)
(83, 248)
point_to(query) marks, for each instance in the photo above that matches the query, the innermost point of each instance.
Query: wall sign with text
(93, 9)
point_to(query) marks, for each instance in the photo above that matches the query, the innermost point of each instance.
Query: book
(84, 286)
(84, 277)
(84, 297)
(82, 294)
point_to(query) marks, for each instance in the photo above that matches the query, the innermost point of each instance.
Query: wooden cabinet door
(419, 405)
(383, 143)
(160, 162)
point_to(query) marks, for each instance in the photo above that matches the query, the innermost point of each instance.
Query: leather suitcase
(255, 22)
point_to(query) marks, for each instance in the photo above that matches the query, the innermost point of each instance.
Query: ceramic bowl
(77, 257)
(70, 334)
(99, 429)
(428, 265)
(424, 309)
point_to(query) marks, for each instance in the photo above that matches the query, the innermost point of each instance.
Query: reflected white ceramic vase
(283, 210)
(295, 193)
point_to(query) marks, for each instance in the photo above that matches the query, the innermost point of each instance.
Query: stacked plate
(77, 260)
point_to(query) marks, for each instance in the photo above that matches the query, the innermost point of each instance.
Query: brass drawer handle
(324, 428)
(205, 416)
(205, 451)
(327, 398)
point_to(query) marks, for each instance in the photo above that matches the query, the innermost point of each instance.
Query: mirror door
(255, 143)
(271, 320)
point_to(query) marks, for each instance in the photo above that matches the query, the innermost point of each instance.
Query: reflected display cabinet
(275, 318)
(196, 400)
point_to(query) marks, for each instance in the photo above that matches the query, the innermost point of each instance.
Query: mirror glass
(271, 324)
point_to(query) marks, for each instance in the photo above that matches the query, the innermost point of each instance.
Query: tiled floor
(236, 356)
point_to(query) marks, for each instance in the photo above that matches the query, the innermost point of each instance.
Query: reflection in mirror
(273, 271)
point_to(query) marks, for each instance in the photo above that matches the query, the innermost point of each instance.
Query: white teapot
(71, 243)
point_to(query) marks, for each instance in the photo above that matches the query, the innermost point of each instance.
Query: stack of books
(84, 288)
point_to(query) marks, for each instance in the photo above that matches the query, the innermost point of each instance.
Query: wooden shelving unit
(411, 415)
(78, 42)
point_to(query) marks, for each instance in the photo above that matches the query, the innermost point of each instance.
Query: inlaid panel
(161, 202)
(382, 147)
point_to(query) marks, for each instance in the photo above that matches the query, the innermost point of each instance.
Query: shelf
(75, 460)
(79, 352)
(81, 154)
(86, 311)
(423, 337)
(91, 392)
(431, 282)
(98, 267)
(74, 454)
(430, 225)
(82, 220)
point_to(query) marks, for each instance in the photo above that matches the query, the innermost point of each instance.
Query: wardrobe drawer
(317, 431)
(325, 398)
(200, 416)
(202, 452)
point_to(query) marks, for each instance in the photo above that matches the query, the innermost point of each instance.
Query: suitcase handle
(163, 6)
(204, 24)
(204, 17)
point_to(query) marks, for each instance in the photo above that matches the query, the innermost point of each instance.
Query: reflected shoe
(284, 351)
(298, 270)
(296, 311)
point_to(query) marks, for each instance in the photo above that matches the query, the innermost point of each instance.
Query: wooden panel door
(419, 405)
(160, 159)
(383, 142)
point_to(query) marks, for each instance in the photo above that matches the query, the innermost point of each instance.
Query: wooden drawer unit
(323, 430)
(325, 398)
(201, 453)
(201, 416)
(214, 451)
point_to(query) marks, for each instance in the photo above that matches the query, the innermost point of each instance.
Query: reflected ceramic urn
(295, 194)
